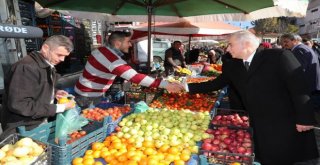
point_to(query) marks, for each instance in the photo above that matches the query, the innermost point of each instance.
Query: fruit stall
(154, 127)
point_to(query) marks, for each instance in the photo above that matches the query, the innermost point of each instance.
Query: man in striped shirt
(105, 64)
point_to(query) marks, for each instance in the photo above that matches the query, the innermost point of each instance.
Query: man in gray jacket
(29, 87)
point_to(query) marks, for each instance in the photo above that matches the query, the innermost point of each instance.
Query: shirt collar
(117, 51)
(250, 57)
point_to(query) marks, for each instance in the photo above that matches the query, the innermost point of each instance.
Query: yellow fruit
(63, 100)
(77, 161)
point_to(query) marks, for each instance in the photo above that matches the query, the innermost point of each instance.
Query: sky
(241, 24)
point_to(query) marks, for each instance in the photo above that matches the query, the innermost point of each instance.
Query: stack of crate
(27, 14)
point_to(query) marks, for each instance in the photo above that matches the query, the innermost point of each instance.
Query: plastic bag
(140, 107)
(68, 122)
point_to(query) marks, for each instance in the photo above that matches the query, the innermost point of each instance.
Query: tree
(275, 25)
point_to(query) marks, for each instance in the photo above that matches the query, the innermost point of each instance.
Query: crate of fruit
(66, 148)
(144, 94)
(16, 149)
(230, 117)
(228, 145)
(134, 96)
(111, 112)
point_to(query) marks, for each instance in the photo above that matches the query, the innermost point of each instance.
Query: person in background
(30, 87)
(309, 61)
(212, 59)
(173, 58)
(265, 45)
(271, 84)
(105, 64)
(312, 45)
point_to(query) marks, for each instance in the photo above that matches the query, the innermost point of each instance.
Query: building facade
(310, 25)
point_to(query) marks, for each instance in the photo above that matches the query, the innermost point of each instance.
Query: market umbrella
(132, 10)
(187, 29)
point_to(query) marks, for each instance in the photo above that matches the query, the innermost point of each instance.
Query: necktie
(246, 65)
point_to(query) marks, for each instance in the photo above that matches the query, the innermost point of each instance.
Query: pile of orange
(182, 101)
(98, 113)
(121, 151)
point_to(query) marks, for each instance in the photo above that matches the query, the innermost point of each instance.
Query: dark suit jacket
(28, 92)
(274, 93)
(310, 63)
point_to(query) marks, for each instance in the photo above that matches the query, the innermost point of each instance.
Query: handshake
(177, 86)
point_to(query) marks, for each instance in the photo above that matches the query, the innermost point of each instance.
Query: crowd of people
(278, 87)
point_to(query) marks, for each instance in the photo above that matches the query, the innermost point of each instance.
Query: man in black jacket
(29, 87)
(272, 86)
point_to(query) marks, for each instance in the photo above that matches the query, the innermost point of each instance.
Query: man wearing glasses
(29, 87)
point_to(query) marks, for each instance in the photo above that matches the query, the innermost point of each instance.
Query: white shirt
(60, 107)
(249, 59)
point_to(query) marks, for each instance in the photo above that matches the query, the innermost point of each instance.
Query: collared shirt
(60, 107)
(117, 51)
(249, 59)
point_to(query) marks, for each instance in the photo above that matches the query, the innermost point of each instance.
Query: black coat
(28, 92)
(276, 96)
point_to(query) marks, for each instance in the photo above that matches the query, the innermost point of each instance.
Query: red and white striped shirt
(102, 67)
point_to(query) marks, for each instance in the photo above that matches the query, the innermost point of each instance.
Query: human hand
(301, 128)
(178, 67)
(174, 87)
(69, 105)
(60, 94)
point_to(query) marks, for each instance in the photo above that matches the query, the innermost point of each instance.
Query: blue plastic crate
(64, 153)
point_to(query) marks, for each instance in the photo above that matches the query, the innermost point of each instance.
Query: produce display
(180, 101)
(198, 79)
(228, 145)
(98, 114)
(76, 135)
(153, 137)
(231, 120)
(24, 152)
(183, 71)
(211, 70)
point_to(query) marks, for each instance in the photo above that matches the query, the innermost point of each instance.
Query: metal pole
(149, 8)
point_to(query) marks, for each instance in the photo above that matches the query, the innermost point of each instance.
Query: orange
(148, 151)
(131, 154)
(89, 152)
(131, 140)
(147, 144)
(109, 158)
(136, 158)
(76, 161)
(184, 157)
(116, 145)
(98, 163)
(143, 161)
(122, 158)
(152, 161)
(88, 157)
(164, 148)
(179, 162)
(186, 151)
(131, 162)
(104, 154)
(169, 157)
(88, 161)
(97, 146)
(173, 150)
(96, 154)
